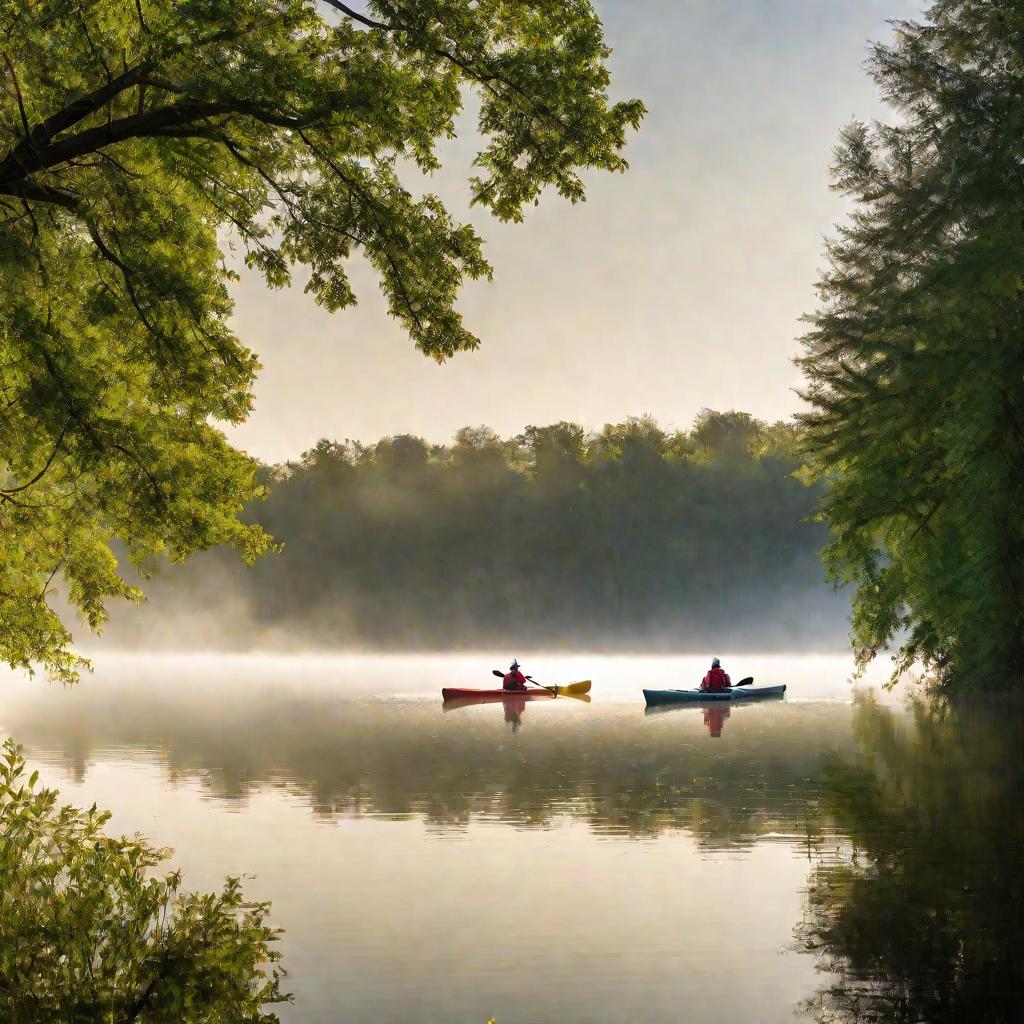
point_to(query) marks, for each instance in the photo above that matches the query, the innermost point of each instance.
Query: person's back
(717, 678)
(514, 679)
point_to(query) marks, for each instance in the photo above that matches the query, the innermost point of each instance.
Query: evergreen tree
(915, 362)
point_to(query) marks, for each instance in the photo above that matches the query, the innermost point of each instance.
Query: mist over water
(579, 862)
(207, 675)
(629, 539)
(217, 618)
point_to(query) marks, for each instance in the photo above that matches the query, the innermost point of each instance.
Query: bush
(88, 931)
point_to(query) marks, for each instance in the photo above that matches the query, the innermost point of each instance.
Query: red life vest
(514, 680)
(716, 679)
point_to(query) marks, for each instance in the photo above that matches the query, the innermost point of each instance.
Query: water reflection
(512, 706)
(714, 715)
(714, 719)
(922, 915)
(389, 834)
(605, 765)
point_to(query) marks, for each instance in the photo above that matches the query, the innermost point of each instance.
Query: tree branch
(93, 139)
(152, 122)
(43, 471)
(361, 18)
(28, 189)
(17, 93)
(84, 106)
(144, 997)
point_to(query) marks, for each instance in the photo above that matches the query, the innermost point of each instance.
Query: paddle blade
(582, 697)
(575, 689)
(497, 672)
(744, 682)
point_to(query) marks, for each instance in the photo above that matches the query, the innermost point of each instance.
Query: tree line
(119, 194)
(631, 535)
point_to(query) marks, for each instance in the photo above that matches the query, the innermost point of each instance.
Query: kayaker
(717, 678)
(514, 679)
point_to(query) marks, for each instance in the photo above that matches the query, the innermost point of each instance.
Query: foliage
(88, 932)
(915, 363)
(146, 143)
(628, 535)
(921, 920)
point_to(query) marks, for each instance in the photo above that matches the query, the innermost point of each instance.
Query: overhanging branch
(152, 122)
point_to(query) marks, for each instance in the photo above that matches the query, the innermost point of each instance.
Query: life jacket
(716, 679)
(514, 681)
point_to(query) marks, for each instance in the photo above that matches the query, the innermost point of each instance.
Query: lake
(840, 854)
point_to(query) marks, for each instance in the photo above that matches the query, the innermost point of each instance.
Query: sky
(675, 287)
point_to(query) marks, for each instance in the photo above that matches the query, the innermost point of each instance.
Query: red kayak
(481, 696)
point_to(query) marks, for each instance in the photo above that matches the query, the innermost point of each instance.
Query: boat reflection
(514, 709)
(514, 704)
(714, 719)
(602, 764)
(715, 714)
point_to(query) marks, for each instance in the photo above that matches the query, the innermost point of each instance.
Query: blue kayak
(737, 693)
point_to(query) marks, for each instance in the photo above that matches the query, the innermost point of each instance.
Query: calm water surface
(829, 855)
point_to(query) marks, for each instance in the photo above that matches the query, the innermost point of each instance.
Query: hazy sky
(676, 286)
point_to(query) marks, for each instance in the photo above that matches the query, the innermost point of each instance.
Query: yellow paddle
(579, 689)
(571, 690)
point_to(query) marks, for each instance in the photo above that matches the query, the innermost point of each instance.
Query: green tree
(731, 435)
(88, 932)
(915, 362)
(143, 141)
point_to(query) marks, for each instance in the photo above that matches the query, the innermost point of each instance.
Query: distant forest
(626, 538)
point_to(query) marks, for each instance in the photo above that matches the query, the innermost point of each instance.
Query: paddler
(715, 681)
(514, 679)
